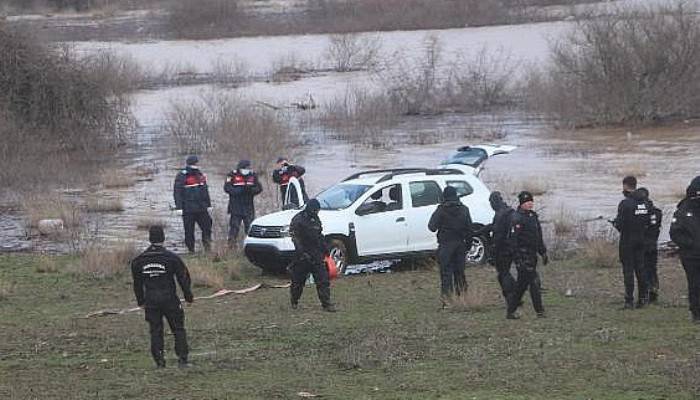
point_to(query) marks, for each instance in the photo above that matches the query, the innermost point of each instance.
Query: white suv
(382, 214)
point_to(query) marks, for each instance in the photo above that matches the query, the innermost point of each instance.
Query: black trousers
(633, 267)
(505, 279)
(176, 320)
(528, 279)
(300, 271)
(204, 221)
(235, 225)
(651, 257)
(452, 256)
(692, 274)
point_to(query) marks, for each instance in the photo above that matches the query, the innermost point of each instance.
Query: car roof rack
(391, 173)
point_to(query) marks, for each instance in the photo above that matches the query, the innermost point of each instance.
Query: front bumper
(271, 255)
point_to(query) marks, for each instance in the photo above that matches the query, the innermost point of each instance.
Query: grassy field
(389, 340)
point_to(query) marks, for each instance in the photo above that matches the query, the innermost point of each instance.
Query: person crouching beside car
(453, 224)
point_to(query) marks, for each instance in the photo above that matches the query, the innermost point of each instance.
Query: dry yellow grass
(146, 222)
(634, 168)
(205, 274)
(47, 264)
(113, 180)
(601, 252)
(103, 262)
(6, 290)
(108, 204)
(37, 208)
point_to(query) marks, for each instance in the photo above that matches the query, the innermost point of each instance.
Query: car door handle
(400, 219)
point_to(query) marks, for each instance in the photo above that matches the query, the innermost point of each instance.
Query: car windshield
(467, 156)
(341, 196)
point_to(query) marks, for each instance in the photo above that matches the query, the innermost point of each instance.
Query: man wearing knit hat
(241, 185)
(685, 232)
(453, 224)
(154, 273)
(525, 241)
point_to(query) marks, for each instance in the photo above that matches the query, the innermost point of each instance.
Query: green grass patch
(388, 341)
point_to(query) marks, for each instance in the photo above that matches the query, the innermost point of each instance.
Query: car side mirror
(367, 208)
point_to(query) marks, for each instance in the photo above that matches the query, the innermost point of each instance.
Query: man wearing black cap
(525, 241)
(310, 247)
(154, 272)
(192, 201)
(501, 228)
(685, 232)
(242, 185)
(632, 222)
(284, 172)
(651, 246)
(453, 224)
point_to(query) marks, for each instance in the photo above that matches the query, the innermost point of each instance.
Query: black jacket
(632, 219)
(501, 226)
(525, 234)
(306, 231)
(651, 238)
(190, 191)
(685, 229)
(153, 272)
(241, 190)
(452, 222)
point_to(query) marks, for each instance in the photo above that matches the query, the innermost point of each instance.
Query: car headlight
(284, 232)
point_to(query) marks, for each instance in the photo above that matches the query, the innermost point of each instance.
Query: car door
(425, 196)
(385, 229)
(294, 196)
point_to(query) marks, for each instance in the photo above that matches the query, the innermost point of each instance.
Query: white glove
(178, 212)
(209, 209)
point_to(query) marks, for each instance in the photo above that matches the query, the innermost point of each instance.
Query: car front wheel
(339, 253)
(477, 254)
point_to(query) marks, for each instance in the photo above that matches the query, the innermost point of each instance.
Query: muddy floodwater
(578, 172)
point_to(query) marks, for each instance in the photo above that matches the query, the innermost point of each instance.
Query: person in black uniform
(500, 228)
(310, 247)
(685, 232)
(632, 222)
(154, 272)
(525, 242)
(453, 224)
(191, 195)
(281, 176)
(242, 185)
(651, 247)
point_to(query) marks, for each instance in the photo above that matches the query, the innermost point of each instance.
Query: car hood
(281, 218)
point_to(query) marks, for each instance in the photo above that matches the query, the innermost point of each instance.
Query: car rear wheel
(339, 254)
(478, 253)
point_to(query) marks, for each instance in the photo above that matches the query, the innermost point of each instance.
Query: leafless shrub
(225, 125)
(564, 221)
(348, 52)
(413, 85)
(37, 208)
(56, 111)
(481, 81)
(289, 68)
(102, 261)
(635, 66)
(600, 250)
(360, 116)
(104, 204)
(536, 185)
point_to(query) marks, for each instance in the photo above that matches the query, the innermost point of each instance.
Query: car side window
(463, 188)
(385, 199)
(425, 193)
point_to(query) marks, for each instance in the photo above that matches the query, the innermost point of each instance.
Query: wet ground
(579, 172)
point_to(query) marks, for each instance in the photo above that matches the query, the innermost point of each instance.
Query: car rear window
(425, 193)
(462, 187)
